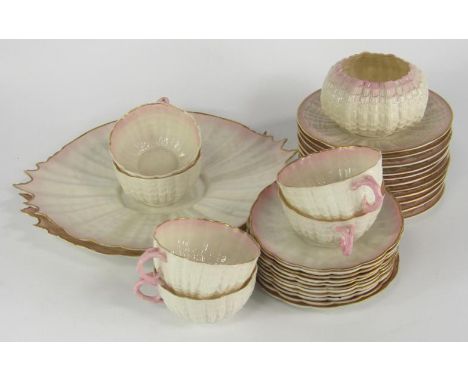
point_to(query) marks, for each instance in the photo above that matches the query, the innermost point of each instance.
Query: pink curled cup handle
(163, 100)
(137, 289)
(148, 278)
(149, 254)
(347, 238)
(370, 182)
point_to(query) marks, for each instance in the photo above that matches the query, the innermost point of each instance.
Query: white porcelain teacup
(199, 258)
(207, 310)
(334, 184)
(156, 152)
(341, 233)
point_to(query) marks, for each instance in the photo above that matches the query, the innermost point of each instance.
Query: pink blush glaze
(370, 182)
(148, 278)
(347, 240)
(154, 299)
(149, 254)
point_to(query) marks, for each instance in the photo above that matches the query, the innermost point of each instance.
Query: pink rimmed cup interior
(334, 184)
(200, 258)
(155, 141)
(156, 153)
(373, 94)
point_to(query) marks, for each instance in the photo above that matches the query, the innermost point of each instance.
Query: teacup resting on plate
(335, 184)
(156, 152)
(341, 233)
(198, 258)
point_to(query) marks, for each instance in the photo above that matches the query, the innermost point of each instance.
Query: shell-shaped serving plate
(436, 122)
(269, 225)
(75, 194)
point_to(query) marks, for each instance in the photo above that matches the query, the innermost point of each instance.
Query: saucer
(300, 272)
(269, 225)
(296, 301)
(75, 195)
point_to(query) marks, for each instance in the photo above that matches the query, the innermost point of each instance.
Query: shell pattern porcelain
(76, 195)
(155, 140)
(271, 228)
(374, 94)
(199, 258)
(341, 233)
(156, 153)
(208, 310)
(435, 123)
(334, 184)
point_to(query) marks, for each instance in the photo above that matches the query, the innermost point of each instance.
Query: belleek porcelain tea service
(156, 153)
(333, 197)
(179, 187)
(383, 102)
(204, 270)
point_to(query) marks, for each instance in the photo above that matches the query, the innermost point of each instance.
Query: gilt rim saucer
(270, 227)
(77, 184)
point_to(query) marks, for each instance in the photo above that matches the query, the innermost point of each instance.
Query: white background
(51, 92)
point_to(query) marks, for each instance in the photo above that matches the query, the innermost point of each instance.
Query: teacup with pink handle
(334, 184)
(198, 258)
(341, 233)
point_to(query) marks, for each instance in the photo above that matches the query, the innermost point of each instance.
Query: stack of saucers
(381, 101)
(298, 271)
(329, 234)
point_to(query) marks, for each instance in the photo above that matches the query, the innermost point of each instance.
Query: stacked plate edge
(302, 273)
(310, 290)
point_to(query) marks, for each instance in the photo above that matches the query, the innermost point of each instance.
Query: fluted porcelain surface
(208, 310)
(329, 233)
(436, 122)
(374, 94)
(155, 140)
(77, 188)
(270, 226)
(323, 184)
(159, 191)
(204, 259)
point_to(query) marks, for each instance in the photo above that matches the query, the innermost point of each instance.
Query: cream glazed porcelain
(270, 227)
(330, 232)
(436, 123)
(75, 195)
(159, 191)
(155, 140)
(334, 184)
(208, 310)
(374, 94)
(156, 152)
(199, 258)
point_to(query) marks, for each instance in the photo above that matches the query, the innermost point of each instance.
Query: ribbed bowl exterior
(374, 109)
(208, 310)
(325, 232)
(160, 191)
(202, 280)
(336, 200)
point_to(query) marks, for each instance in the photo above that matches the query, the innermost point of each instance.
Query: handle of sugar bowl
(148, 278)
(370, 182)
(347, 238)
